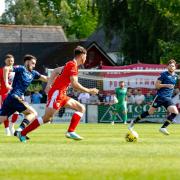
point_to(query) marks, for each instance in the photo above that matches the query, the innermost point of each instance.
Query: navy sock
(169, 120)
(24, 123)
(143, 115)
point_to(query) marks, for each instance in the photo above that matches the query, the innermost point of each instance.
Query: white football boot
(164, 131)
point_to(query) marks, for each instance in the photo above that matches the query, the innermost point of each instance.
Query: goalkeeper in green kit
(121, 106)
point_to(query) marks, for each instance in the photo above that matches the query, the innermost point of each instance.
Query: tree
(78, 18)
(140, 24)
(170, 48)
(25, 12)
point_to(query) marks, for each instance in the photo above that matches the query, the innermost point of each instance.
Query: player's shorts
(57, 99)
(12, 104)
(162, 101)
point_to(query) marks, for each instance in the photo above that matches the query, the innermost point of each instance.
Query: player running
(56, 87)
(6, 79)
(24, 75)
(165, 86)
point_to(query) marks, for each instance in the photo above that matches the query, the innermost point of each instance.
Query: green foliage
(25, 12)
(35, 86)
(78, 18)
(170, 50)
(141, 24)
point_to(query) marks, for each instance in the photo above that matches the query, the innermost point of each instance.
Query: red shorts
(57, 99)
(2, 98)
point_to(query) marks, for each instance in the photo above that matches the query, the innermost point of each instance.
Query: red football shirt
(3, 89)
(63, 80)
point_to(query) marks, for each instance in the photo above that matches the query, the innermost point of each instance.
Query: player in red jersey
(56, 88)
(5, 86)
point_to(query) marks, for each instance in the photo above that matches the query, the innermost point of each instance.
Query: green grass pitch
(103, 154)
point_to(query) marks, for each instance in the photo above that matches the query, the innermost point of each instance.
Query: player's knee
(2, 119)
(173, 109)
(46, 119)
(82, 108)
(150, 112)
(124, 112)
(35, 113)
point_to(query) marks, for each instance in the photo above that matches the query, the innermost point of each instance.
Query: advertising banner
(132, 79)
(105, 113)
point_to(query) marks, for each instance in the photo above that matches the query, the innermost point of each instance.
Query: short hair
(9, 56)
(121, 82)
(79, 50)
(28, 57)
(171, 61)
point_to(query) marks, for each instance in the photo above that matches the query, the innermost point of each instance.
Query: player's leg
(6, 126)
(113, 117)
(124, 112)
(157, 102)
(80, 109)
(26, 109)
(7, 109)
(49, 112)
(6, 122)
(113, 113)
(172, 109)
(2, 117)
(29, 115)
(142, 116)
(53, 105)
(13, 120)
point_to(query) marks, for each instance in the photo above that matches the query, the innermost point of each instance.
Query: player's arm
(43, 78)
(52, 77)
(159, 85)
(5, 77)
(76, 85)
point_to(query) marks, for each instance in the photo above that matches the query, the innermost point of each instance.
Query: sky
(2, 6)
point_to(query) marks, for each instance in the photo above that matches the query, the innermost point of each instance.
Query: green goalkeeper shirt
(121, 94)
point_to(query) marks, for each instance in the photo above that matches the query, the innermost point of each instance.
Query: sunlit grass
(103, 154)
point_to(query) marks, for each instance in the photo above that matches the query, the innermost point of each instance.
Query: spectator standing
(27, 97)
(84, 98)
(101, 98)
(149, 98)
(36, 97)
(94, 99)
(107, 98)
(139, 98)
(130, 98)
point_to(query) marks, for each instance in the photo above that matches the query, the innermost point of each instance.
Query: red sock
(14, 117)
(6, 123)
(74, 121)
(35, 124)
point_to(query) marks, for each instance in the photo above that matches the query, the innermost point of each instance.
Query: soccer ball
(132, 136)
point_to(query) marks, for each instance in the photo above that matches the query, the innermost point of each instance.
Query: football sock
(169, 120)
(24, 123)
(6, 123)
(14, 117)
(143, 115)
(74, 121)
(124, 117)
(35, 124)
